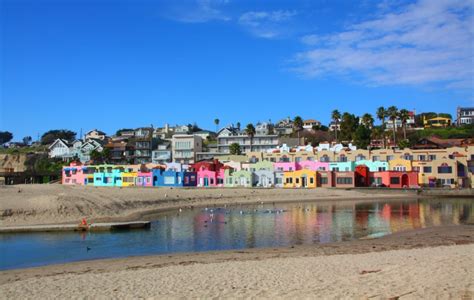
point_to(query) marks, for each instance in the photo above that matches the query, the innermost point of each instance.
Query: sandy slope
(443, 272)
(47, 204)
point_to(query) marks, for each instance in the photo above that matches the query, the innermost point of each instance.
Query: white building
(185, 147)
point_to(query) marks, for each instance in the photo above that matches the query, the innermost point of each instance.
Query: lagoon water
(235, 227)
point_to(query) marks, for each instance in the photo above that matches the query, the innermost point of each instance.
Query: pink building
(313, 165)
(210, 173)
(144, 179)
(74, 174)
(285, 166)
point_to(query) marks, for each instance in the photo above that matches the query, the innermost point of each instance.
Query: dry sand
(55, 203)
(357, 269)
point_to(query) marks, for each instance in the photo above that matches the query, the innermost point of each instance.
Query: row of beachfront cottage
(214, 173)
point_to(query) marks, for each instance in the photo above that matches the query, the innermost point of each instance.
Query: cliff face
(12, 161)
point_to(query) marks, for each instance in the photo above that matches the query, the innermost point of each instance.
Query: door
(206, 181)
(304, 181)
(405, 182)
(243, 181)
(264, 181)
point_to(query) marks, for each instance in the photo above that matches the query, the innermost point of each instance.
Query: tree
(392, 113)
(404, 144)
(250, 131)
(381, 115)
(216, 121)
(362, 136)
(27, 140)
(298, 126)
(404, 115)
(335, 116)
(52, 135)
(234, 149)
(238, 125)
(349, 124)
(368, 120)
(5, 137)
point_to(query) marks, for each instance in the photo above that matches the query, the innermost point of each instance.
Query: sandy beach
(52, 204)
(426, 263)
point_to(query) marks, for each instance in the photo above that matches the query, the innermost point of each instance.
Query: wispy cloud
(200, 11)
(428, 42)
(266, 24)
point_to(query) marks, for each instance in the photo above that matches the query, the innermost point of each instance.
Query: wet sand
(424, 263)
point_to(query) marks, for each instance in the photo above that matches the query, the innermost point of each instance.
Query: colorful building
(300, 179)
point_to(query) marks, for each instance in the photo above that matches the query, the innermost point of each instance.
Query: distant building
(398, 122)
(264, 128)
(79, 149)
(332, 126)
(185, 147)
(438, 122)
(230, 135)
(121, 152)
(205, 134)
(465, 116)
(95, 134)
(144, 144)
(284, 127)
(308, 124)
(162, 154)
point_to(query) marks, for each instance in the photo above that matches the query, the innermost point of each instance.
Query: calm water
(235, 227)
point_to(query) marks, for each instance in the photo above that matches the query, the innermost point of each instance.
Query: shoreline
(57, 204)
(426, 239)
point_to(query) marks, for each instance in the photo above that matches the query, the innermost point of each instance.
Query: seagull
(88, 248)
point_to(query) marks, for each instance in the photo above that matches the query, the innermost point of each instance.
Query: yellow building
(128, 178)
(400, 164)
(437, 122)
(300, 179)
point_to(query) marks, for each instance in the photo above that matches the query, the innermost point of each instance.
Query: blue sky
(113, 64)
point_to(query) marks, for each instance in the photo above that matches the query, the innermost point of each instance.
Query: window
(390, 157)
(289, 180)
(426, 169)
(168, 180)
(212, 180)
(336, 169)
(220, 181)
(422, 157)
(128, 179)
(342, 158)
(148, 180)
(394, 180)
(445, 170)
(408, 157)
(311, 180)
(324, 158)
(344, 180)
(448, 181)
(322, 169)
(381, 169)
(400, 168)
(298, 159)
(415, 169)
(272, 159)
(375, 180)
(278, 180)
(90, 180)
(375, 158)
(432, 157)
(297, 180)
(360, 157)
(324, 180)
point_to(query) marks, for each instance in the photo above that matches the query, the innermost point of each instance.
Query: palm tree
(381, 115)
(238, 125)
(216, 121)
(368, 121)
(392, 113)
(335, 116)
(250, 131)
(298, 126)
(404, 115)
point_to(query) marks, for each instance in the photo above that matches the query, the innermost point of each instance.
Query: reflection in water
(236, 227)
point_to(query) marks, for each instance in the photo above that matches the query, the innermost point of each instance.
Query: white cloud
(266, 24)
(429, 42)
(200, 12)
